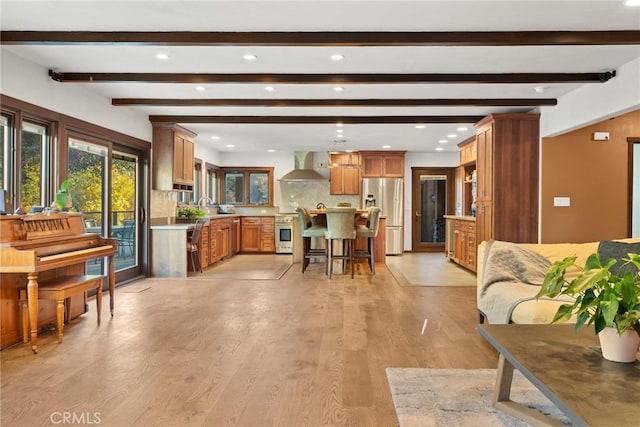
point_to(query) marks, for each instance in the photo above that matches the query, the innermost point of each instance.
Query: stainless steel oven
(284, 234)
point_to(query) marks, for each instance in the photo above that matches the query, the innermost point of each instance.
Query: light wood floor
(300, 351)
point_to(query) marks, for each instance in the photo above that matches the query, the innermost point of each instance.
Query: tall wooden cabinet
(507, 170)
(173, 157)
(345, 176)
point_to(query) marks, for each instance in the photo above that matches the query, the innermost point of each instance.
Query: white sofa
(514, 302)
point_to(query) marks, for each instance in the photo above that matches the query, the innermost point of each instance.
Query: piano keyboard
(74, 253)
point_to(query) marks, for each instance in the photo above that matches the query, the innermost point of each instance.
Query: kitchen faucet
(206, 199)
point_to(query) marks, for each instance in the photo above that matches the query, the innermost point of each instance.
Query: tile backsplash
(309, 193)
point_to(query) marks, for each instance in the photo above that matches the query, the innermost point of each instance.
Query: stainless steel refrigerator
(387, 193)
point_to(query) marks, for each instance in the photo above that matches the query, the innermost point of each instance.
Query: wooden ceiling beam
(209, 102)
(323, 38)
(314, 119)
(354, 78)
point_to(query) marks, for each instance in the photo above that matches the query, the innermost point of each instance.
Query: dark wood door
(433, 196)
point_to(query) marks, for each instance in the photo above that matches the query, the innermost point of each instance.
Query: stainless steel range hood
(303, 169)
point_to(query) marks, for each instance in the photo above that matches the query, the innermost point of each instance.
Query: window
(211, 183)
(197, 181)
(247, 186)
(5, 152)
(35, 154)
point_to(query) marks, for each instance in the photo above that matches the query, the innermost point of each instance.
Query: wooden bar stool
(369, 231)
(340, 226)
(59, 289)
(308, 231)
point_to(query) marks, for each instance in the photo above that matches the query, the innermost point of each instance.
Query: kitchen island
(169, 255)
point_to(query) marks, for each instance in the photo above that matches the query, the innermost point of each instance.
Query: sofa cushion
(608, 249)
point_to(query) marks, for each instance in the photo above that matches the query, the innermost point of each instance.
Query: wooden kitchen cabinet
(173, 157)
(382, 164)
(220, 239)
(258, 234)
(507, 171)
(464, 244)
(345, 174)
(204, 247)
(183, 160)
(468, 153)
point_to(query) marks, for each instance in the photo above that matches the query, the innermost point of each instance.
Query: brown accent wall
(594, 174)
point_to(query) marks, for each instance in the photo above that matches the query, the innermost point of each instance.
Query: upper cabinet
(382, 164)
(173, 157)
(468, 152)
(345, 175)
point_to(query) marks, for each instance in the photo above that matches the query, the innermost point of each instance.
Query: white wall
(594, 102)
(29, 82)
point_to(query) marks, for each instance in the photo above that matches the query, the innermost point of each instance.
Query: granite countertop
(461, 217)
(171, 223)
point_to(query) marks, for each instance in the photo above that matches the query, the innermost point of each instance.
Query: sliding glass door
(105, 188)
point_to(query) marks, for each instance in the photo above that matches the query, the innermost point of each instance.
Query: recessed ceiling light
(338, 88)
(420, 126)
(249, 57)
(269, 88)
(339, 130)
(337, 57)
(200, 88)
(339, 124)
(215, 137)
(462, 129)
(443, 141)
(540, 89)
(452, 135)
(632, 3)
(386, 146)
(439, 149)
(230, 146)
(271, 150)
(162, 56)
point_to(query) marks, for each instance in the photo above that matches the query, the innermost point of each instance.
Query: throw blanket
(509, 262)
(517, 273)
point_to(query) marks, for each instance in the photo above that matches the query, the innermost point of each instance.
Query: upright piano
(45, 247)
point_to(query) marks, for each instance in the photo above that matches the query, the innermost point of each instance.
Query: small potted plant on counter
(189, 213)
(603, 298)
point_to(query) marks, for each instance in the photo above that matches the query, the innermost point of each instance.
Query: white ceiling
(324, 16)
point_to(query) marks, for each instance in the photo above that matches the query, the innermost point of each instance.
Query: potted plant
(608, 301)
(63, 198)
(189, 212)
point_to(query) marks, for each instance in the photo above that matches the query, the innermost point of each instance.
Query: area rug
(459, 397)
(248, 267)
(428, 269)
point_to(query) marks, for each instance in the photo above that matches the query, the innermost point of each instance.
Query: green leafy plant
(63, 194)
(601, 297)
(190, 212)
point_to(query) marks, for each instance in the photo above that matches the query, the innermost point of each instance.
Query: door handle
(418, 213)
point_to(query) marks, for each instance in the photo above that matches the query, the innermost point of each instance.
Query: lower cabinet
(258, 234)
(215, 242)
(220, 243)
(464, 244)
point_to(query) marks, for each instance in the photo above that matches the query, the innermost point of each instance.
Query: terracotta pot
(619, 348)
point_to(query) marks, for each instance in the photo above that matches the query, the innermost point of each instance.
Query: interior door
(432, 198)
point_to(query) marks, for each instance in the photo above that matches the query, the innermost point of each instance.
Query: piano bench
(59, 289)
